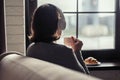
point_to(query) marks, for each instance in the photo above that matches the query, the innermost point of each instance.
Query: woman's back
(54, 53)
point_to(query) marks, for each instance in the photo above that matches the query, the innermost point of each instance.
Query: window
(89, 20)
(95, 22)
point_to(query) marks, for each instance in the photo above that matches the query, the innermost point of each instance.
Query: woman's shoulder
(61, 46)
(49, 45)
(54, 46)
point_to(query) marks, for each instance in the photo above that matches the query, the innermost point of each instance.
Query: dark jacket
(58, 54)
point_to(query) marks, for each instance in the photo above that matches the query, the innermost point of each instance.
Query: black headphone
(61, 19)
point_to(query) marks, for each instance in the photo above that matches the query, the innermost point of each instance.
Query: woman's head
(45, 23)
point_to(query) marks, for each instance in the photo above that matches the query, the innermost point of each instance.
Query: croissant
(91, 60)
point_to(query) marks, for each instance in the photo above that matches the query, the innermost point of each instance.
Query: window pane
(97, 30)
(70, 27)
(62, 4)
(97, 5)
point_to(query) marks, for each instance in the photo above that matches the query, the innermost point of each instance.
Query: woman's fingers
(76, 44)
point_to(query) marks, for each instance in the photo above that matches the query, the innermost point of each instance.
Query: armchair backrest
(18, 67)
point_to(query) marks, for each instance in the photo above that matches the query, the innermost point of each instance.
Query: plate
(94, 64)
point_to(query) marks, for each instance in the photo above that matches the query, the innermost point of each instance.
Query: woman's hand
(76, 44)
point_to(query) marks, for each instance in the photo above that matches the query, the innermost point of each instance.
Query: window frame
(2, 28)
(106, 55)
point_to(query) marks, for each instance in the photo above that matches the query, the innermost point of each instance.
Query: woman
(46, 27)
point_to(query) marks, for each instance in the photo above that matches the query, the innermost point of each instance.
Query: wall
(14, 12)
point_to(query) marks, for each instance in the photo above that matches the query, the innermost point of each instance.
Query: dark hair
(44, 24)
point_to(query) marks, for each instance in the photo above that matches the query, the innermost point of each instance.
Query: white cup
(68, 41)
